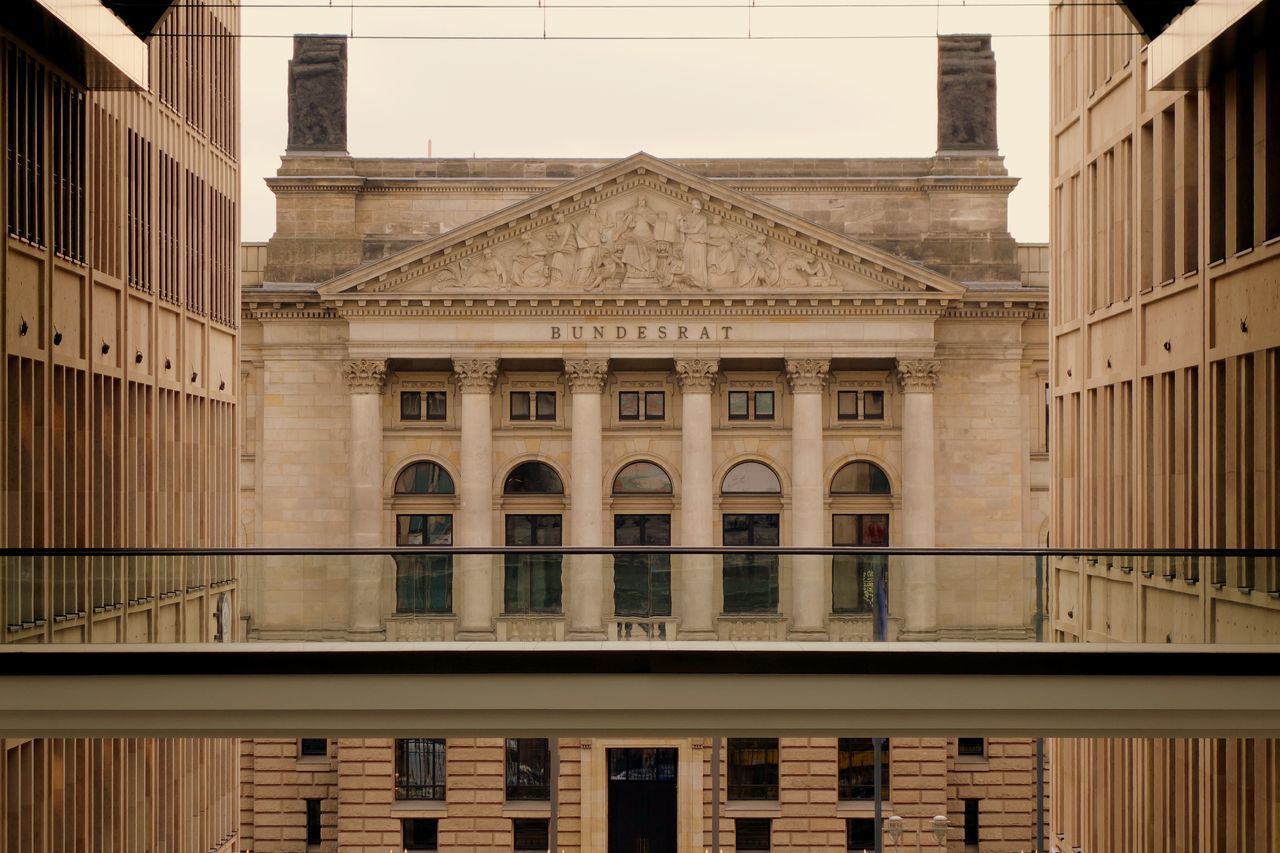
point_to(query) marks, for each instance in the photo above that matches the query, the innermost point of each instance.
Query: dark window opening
(437, 405)
(545, 409)
(752, 833)
(739, 406)
(860, 834)
(642, 405)
(753, 769)
(410, 405)
(750, 580)
(424, 582)
(520, 409)
(420, 769)
(314, 746)
(971, 746)
(531, 833)
(533, 478)
(419, 833)
(424, 478)
(642, 582)
(764, 405)
(873, 405)
(528, 769)
(856, 769)
(313, 821)
(860, 478)
(971, 821)
(532, 582)
(847, 405)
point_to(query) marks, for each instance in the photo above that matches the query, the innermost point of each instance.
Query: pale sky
(866, 97)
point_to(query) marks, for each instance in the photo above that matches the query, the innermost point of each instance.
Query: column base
(476, 635)
(906, 636)
(696, 635)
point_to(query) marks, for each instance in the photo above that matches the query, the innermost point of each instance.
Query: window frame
(867, 568)
(739, 837)
(848, 791)
(436, 756)
(642, 398)
(750, 791)
(850, 841)
(408, 845)
(306, 747)
(515, 791)
(523, 567)
(543, 824)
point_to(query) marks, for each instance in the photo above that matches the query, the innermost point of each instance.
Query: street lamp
(940, 824)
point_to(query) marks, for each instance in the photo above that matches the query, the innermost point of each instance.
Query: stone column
(695, 578)
(918, 378)
(473, 575)
(808, 519)
(586, 585)
(364, 379)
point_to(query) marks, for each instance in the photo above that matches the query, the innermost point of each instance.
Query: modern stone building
(644, 352)
(1166, 389)
(119, 420)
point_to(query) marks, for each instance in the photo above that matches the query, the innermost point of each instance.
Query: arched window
(751, 478)
(424, 478)
(860, 478)
(642, 478)
(533, 478)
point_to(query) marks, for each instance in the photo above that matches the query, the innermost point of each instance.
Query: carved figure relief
(640, 241)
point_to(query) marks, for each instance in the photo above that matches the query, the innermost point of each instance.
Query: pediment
(640, 226)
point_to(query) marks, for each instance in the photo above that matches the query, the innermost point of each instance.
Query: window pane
(643, 764)
(314, 746)
(972, 831)
(738, 405)
(751, 478)
(856, 769)
(844, 530)
(860, 478)
(857, 583)
(410, 406)
(424, 583)
(655, 405)
(420, 772)
(532, 582)
(753, 768)
(971, 746)
(752, 833)
(420, 833)
(533, 478)
(437, 405)
(424, 478)
(642, 582)
(642, 478)
(519, 405)
(313, 821)
(546, 405)
(847, 405)
(861, 834)
(528, 770)
(764, 405)
(873, 405)
(875, 530)
(531, 833)
(629, 405)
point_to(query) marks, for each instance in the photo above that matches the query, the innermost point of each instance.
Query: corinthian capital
(918, 374)
(697, 374)
(807, 374)
(586, 375)
(364, 375)
(475, 375)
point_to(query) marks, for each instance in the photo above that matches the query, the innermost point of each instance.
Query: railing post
(1040, 603)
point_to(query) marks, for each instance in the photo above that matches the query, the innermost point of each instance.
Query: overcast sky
(865, 97)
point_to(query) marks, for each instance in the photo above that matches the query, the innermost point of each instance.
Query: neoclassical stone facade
(641, 352)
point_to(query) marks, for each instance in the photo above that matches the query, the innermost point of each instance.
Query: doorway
(642, 799)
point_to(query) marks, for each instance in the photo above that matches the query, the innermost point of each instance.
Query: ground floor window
(971, 833)
(424, 582)
(531, 833)
(860, 834)
(313, 821)
(419, 833)
(753, 768)
(750, 580)
(420, 769)
(528, 769)
(858, 581)
(642, 582)
(856, 768)
(532, 582)
(752, 833)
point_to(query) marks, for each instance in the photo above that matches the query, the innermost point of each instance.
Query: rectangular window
(971, 833)
(67, 170)
(424, 582)
(655, 405)
(764, 405)
(437, 405)
(532, 582)
(420, 769)
(642, 582)
(860, 834)
(528, 769)
(419, 833)
(629, 405)
(753, 769)
(975, 746)
(873, 405)
(26, 160)
(858, 581)
(847, 405)
(520, 410)
(314, 746)
(750, 580)
(546, 405)
(739, 404)
(313, 821)
(856, 769)
(752, 833)
(410, 406)
(531, 833)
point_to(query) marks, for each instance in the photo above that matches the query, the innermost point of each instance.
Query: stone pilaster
(695, 574)
(586, 378)
(473, 574)
(364, 379)
(807, 377)
(918, 378)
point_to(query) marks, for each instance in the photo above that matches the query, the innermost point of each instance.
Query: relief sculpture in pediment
(639, 242)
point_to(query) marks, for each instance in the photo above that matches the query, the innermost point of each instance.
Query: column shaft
(364, 380)
(808, 516)
(473, 575)
(918, 378)
(696, 574)
(586, 572)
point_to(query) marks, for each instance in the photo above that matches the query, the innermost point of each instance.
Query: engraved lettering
(662, 333)
(727, 330)
(597, 332)
(642, 332)
(555, 333)
(577, 333)
(705, 336)
(620, 332)
(683, 333)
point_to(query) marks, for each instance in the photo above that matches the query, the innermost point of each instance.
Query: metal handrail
(832, 551)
